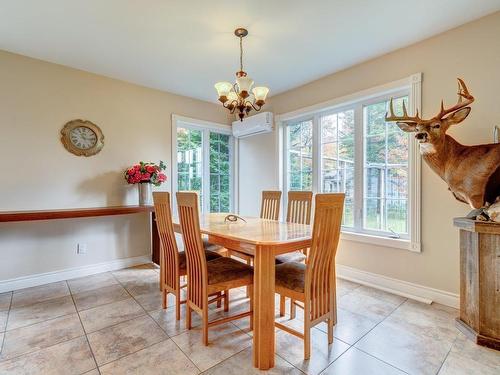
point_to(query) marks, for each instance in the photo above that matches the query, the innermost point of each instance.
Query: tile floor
(112, 323)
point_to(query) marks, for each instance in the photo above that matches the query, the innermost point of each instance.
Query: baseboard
(70, 273)
(403, 288)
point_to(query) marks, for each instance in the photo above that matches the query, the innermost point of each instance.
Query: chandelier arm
(228, 103)
(253, 105)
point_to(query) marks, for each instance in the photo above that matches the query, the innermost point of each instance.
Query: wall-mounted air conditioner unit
(253, 125)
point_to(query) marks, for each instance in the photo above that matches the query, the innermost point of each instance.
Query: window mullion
(385, 180)
(316, 155)
(337, 150)
(358, 167)
(205, 191)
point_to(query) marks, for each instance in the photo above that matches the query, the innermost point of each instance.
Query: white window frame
(206, 127)
(411, 86)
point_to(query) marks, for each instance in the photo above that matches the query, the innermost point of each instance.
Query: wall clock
(82, 138)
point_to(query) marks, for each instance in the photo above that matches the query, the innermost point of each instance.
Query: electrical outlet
(81, 248)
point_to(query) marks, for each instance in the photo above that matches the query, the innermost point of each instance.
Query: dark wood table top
(71, 213)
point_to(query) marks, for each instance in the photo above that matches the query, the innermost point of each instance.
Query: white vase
(145, 194)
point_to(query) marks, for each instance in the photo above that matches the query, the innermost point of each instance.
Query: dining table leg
(263, 313)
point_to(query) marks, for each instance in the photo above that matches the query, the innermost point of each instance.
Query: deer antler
(463, 93)
(404, 118)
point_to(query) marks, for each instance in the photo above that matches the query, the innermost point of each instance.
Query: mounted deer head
(471, 172)
(432, 133)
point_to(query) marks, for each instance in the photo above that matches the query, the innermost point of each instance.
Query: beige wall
(258, 171)
(36, 100)
(472, 52)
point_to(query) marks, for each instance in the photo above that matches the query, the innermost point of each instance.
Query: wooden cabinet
(480, 281)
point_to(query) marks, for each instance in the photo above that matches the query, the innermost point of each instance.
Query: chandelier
(237, 96)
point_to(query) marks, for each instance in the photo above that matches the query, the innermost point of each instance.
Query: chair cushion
(296, 256)
(210, 246)
(209, 255)
(291, 275)
(226, 269)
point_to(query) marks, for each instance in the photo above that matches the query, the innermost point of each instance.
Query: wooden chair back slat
(299, 207)
(169, 254)
(187, 203)
(320, 272)
(270, 206)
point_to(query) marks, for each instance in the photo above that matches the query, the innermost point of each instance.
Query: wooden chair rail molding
(71, 213)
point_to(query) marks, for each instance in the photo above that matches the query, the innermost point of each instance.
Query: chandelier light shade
(223, 88)
(260, 94)
(240, 96)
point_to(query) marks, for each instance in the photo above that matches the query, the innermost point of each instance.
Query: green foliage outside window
(386, 170)
(220, 172)
(190, 166)
(385, 164)
(189, 161)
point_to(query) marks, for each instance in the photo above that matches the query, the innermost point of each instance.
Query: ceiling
(186, 46)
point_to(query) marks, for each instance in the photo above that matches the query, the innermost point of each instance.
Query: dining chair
(299, 212)
(314, 283)
(269, 209)
(270, 205)
(173, 261)
(207, 278)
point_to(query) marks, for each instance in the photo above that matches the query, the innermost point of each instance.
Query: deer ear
(407, 126)
(458, 116)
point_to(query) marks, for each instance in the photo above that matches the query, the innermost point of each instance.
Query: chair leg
(330, 330)
(307, 330)
(282, 305)
(250, 289)
(226, 300)
(205, 327)
(188, 316)
(249, 262)
(219, 302)
(178, 305)
(334, 312)
(164, 296)
(293, 309)
(307, 342)
(162, 272)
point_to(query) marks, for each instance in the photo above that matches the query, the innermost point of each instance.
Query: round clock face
(83, 138)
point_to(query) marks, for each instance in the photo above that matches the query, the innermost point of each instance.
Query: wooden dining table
(263, 239)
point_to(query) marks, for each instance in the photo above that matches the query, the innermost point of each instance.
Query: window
(385, 171)
(203, 154)
(383, 209)
(189, 160)
(337, 159)
(348, 147)
(300, 155)
(220, 172)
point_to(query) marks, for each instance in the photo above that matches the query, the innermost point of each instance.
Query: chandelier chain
(241, 53)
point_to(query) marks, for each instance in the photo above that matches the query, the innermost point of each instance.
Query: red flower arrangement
(146, 173)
